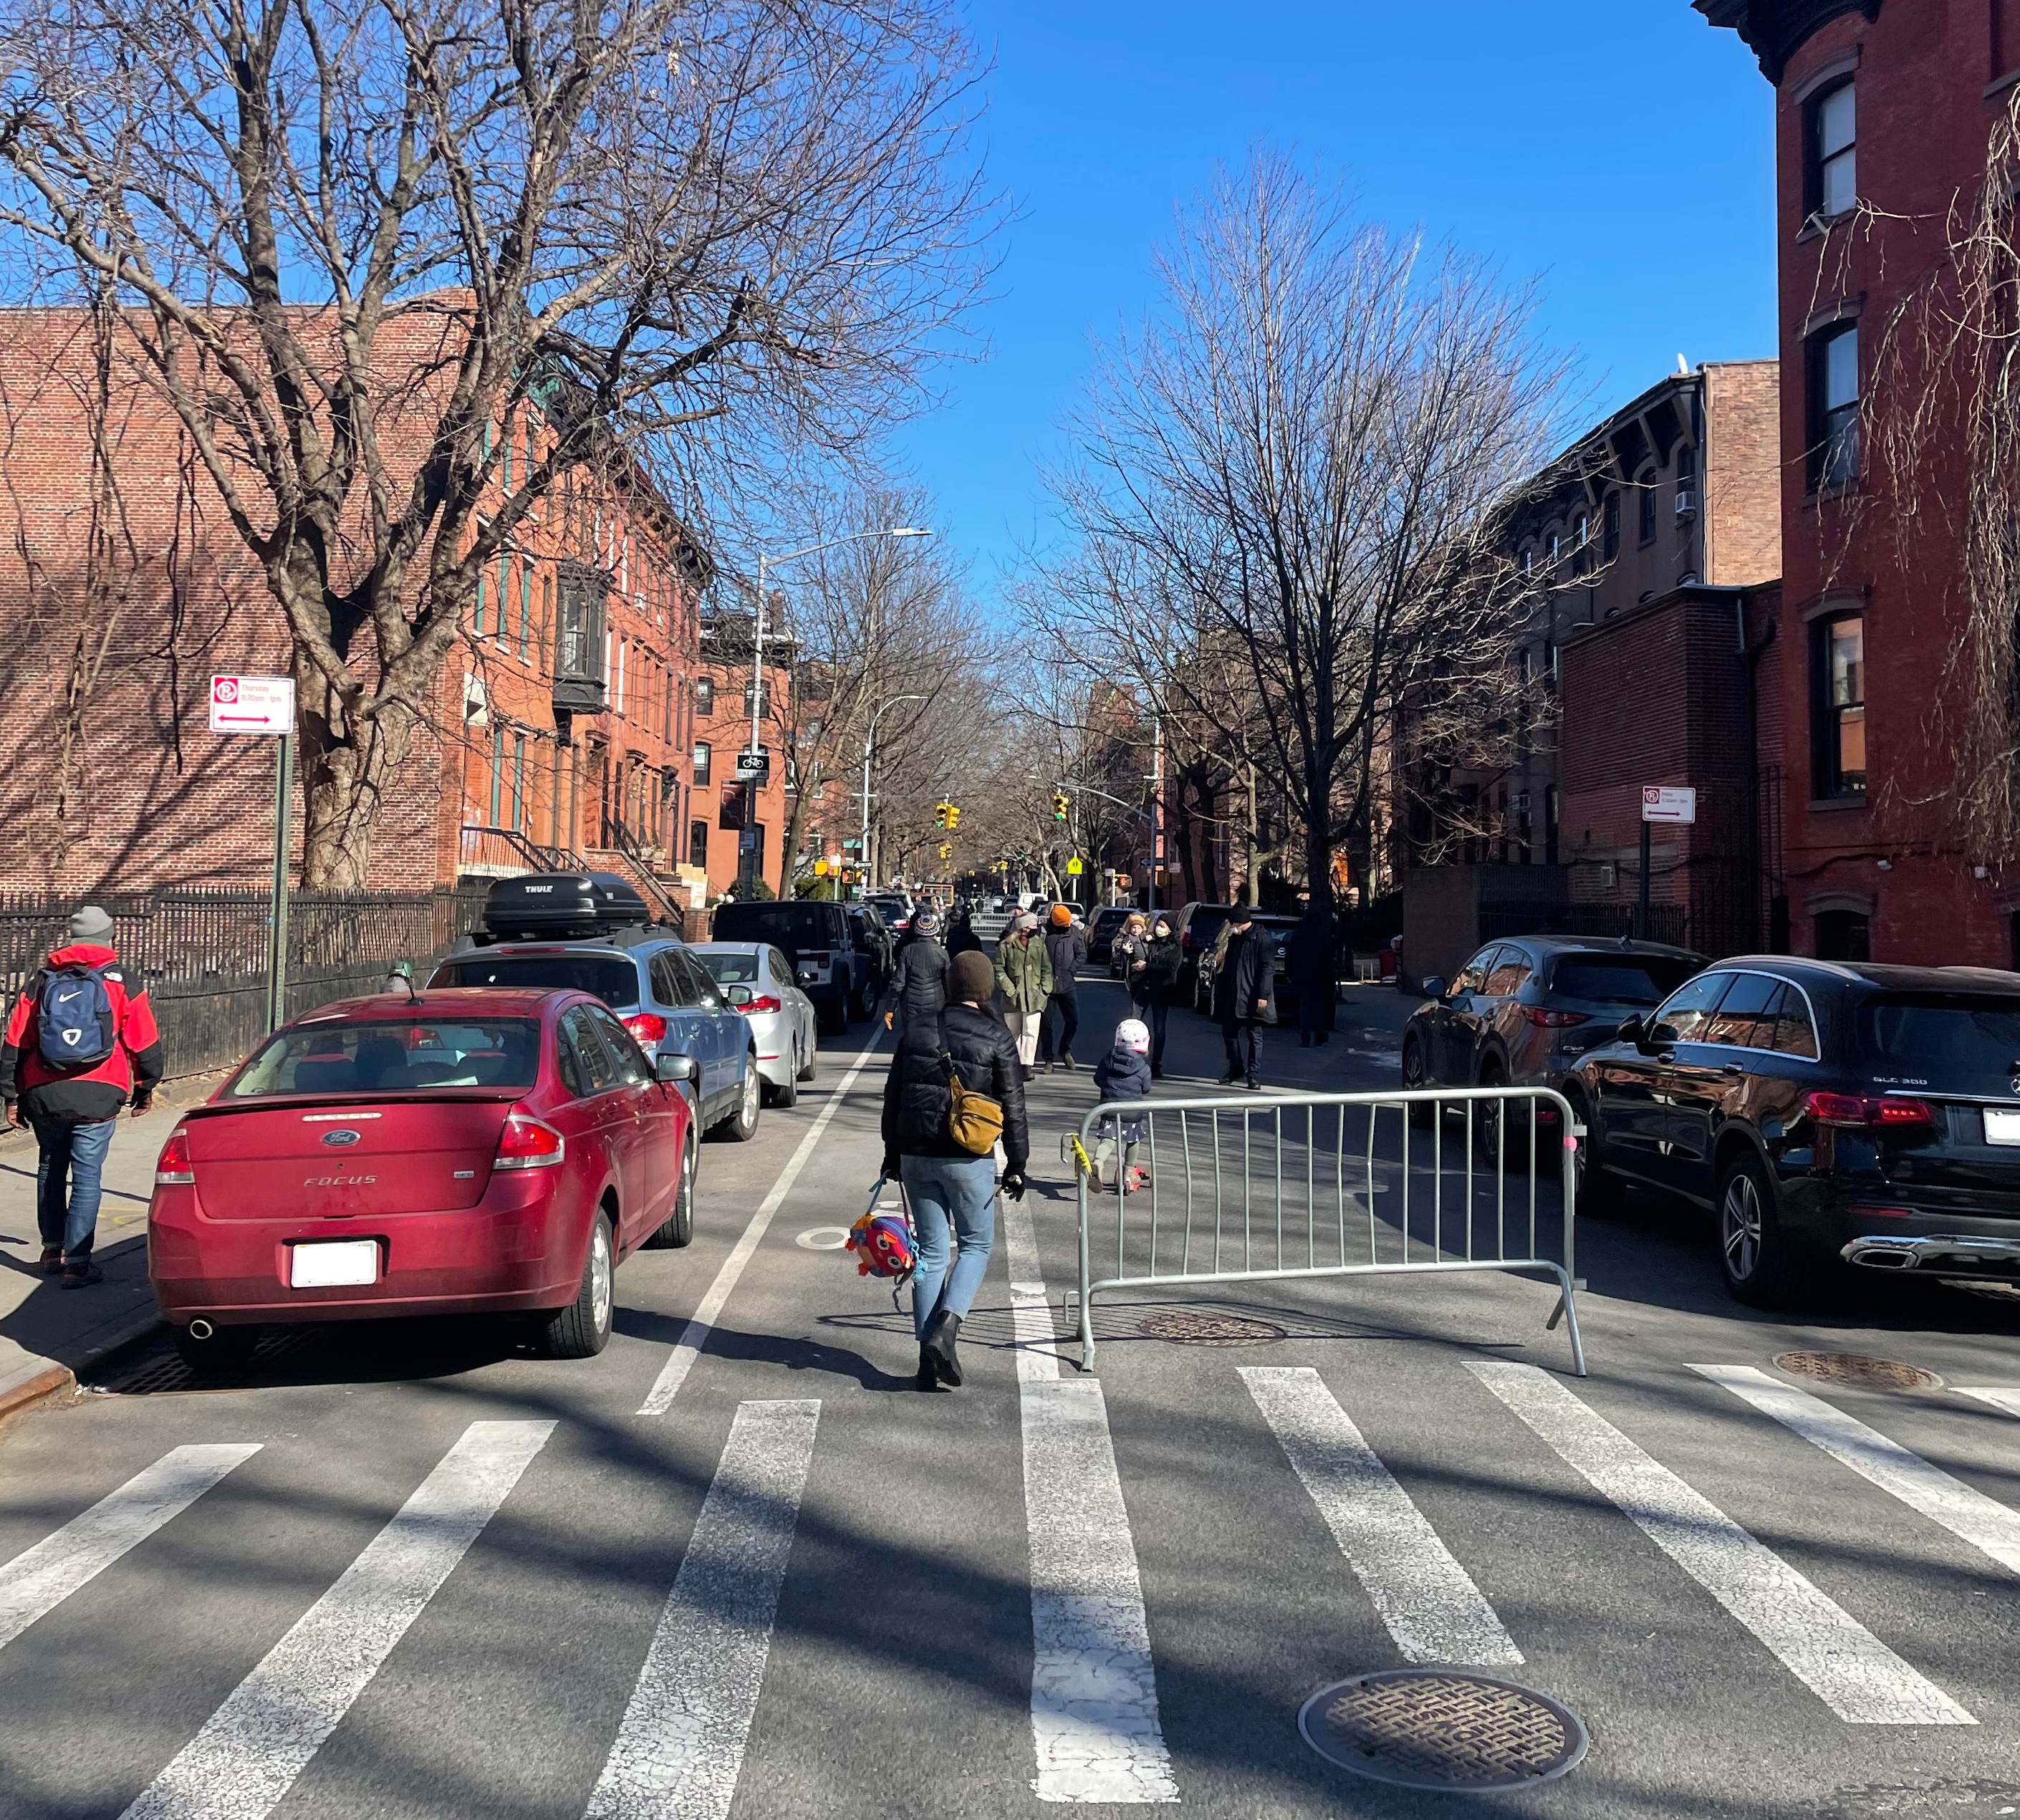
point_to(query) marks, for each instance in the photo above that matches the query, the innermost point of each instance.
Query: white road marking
(251, 1749)
(2001, 1397)
(1093, 1688)
(1432, 1609)
(694, 1337)
(1849, 1669)
(1966, 1512)
(36, 1580)
(680, 1748)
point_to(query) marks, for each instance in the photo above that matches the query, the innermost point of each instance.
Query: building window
(1549, 824)
(518, 780)
(1528, 562)
(703, 754)
(1645, 522)
(698, 844)
(1687, 483)
(1833, 375)
(1844, 935)
(1555, 550)
(704, 689)
(1831, 175)
(497, 769)
(1610, 519)
(1838, 666)
(504, 589)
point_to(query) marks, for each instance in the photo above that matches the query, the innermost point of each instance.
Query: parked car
(461, 1152)
(664, 998)
(757, 980)
(1102, 928)
(873, 941)
(814, 934)
(1521, 1013)
(1207, 922)
(893, 909)
(1824, 1112)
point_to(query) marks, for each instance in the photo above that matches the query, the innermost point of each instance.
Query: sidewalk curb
(55, 1382)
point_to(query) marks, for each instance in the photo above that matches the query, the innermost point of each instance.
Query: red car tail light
(824, 958)
(174, 1168)
(1555, 1020)
(767, 1002)
(1869, 1112)
(526, 1143)
(647, 1027)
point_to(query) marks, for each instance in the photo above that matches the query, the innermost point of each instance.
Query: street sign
(820, 869)
(1659, 803)
(1074, 868)
(253, 704)
(753, 767)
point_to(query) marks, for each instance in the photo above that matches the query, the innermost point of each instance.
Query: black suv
(1826, 1111)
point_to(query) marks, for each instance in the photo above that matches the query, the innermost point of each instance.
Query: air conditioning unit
(1687, 502)
(476, 702)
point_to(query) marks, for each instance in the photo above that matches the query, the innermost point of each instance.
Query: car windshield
(1943, 1038)
(1205, 925)
(792, 925)
(383, 1056)
(613, 981)
(1620, 978)
(728, 969)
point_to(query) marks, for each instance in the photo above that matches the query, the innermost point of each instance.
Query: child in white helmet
(1124, 1073)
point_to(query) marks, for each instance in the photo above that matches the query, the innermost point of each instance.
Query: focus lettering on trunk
(338, 1181)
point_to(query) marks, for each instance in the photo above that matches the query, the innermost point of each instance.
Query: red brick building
(1885, 111)
(563, 718)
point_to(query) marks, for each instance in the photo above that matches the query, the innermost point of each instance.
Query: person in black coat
(921, 981)
(1308, 960)
(952, 1191)
(1066, 941)
(1162, 961)
(1241, 989)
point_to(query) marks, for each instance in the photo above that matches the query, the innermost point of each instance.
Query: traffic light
(1058, 805)
(954, 815)
(946, 851)
(940, 816)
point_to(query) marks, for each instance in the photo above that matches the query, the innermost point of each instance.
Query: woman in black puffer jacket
(952, 1191)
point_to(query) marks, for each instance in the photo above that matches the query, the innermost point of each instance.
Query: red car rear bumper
(521, 1247)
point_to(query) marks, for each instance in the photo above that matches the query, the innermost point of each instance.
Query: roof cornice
(1777, 29)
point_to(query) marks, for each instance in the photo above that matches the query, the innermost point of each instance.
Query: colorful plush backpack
(884, 1245)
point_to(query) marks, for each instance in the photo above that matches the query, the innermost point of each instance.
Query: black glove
(1012, 1184)
(142, 1102)
(890, 1170)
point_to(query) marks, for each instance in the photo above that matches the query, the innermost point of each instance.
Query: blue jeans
(952, 1198)
(68, 1212)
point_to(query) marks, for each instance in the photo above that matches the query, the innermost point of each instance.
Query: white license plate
(2001, 1126)
(325, 1264)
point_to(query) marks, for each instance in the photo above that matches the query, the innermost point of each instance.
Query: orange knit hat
(1061, 916)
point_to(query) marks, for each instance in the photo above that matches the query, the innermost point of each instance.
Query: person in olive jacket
(1024, 977)
(1161, 962)
(952, 1191)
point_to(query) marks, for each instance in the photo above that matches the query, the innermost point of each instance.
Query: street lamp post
(746, 858)
(869, 741)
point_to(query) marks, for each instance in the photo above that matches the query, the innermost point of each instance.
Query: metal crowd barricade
(1296, 1185)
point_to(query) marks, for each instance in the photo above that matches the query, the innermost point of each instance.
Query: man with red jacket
(81, 1042)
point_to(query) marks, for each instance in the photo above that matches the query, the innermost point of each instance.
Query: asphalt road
(411, 1571)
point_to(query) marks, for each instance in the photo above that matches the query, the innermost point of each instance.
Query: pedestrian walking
(1024, 977)
(921, 981)
(961, 938)
(1308, 961)
(81, 1043)
(1131, 951)
(1120, 1076)
(1241, 988)
(1162, 960)
(1065, 943)
(951, 1188)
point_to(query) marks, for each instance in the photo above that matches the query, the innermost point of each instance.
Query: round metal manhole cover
(1856, 1371)
(1443, 1729)
(1190, 1327)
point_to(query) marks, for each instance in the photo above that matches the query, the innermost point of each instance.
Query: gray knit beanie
(90, 925)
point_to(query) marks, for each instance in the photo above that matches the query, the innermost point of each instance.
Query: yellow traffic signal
(954, 816)
(1058, 805)
(946, 851)
(940, 816)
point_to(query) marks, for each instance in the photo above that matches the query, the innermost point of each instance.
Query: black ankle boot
(929, 1375)
(940, 1347)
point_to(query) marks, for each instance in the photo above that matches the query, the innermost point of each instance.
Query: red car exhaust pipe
(201, 1329)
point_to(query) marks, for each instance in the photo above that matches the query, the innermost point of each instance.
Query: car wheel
(1494, 1123)
(809, 1060)
(787, 1092)
(227, 1349)
(582, 1329)
(677, 1229)
(741, 1126)
(1759, 1268)
(1415, 1080)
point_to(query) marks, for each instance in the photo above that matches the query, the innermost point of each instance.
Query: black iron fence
(1667, 922)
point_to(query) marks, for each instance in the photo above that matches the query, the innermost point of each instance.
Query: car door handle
(1732, 1068)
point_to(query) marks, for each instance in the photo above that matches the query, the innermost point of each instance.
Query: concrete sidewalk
(47, 1333)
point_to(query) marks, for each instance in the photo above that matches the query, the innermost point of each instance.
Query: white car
(757, 980)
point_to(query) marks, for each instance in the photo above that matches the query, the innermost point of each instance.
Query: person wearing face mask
(1159, 979)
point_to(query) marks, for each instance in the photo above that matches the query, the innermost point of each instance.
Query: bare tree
(358, 249)
(1295, 465)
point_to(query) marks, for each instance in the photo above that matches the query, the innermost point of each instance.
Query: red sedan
(465, 1151)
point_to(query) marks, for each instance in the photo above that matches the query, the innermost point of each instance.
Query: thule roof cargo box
(561, 907)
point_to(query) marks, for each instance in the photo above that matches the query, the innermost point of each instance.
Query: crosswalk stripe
(1856, 1675)
(1432, 1609)
(35, 1582)
(680, 1748)
(1965, 1512)
(1094, 1724)
(2001, 1397)
(250, 1750)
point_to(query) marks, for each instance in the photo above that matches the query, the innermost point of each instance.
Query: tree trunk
(345, 766)
(1248, 844)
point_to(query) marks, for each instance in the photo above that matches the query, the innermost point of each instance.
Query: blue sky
(1619, 152)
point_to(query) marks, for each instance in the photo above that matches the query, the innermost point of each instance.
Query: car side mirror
(674, 1065)
(737, 995)
(1631, 1030)
(1434, 986)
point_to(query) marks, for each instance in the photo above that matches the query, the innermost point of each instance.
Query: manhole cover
(1856, 1371)
(1188, 1326)
(1442, 1728)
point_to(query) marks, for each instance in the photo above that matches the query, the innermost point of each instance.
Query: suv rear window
(615, 982)
(1954, 1039)
(379, 1056)
(1619, 978)
(791, 925)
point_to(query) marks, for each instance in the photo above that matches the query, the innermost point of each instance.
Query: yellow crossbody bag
(974, 1121)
